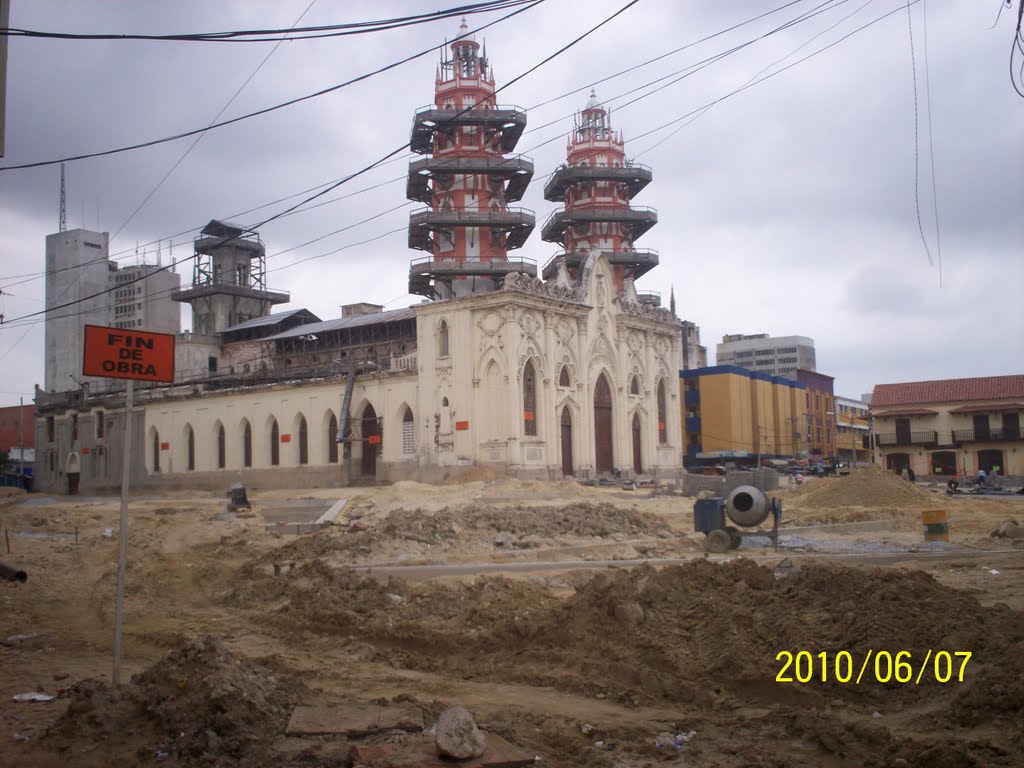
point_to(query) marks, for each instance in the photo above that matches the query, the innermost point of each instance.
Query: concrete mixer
(747, 507)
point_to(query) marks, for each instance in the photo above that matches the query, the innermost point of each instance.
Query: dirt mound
(701, 635)
(451, 527)
(199, 704)
(868, 487)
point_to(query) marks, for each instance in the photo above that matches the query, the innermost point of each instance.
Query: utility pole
(21, 439)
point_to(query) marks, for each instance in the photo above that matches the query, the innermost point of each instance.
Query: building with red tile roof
(950, 427)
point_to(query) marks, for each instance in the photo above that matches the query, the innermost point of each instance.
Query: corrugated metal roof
(341, 323)
(260, 322)
(220, 228)
(947, 391)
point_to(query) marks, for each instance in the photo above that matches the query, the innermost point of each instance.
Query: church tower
(467, 181)
(597, 184)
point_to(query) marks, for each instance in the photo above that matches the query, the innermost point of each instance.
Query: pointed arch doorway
(567, 462)
(603, 461)
(637, 463)
(371, 441)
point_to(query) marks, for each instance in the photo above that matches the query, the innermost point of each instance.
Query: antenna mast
(63, 203)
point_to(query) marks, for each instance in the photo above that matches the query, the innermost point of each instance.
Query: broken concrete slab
(420, 751)
(354, 720)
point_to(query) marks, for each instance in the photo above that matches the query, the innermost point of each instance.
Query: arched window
(662, 412)
(190, 447)
(246, 444)
(408, 433)
(222, 452)
(303, 442)
(634, 385)
(529, 400)
(563, 377)
(156, 451)
(275, 444)
(332, 440)
(442, 339)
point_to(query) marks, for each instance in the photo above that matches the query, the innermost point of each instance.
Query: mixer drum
(747, 506)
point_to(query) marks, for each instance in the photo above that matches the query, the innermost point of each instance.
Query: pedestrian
(981, 477)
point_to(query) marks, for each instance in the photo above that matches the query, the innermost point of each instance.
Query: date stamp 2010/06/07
(881, 666)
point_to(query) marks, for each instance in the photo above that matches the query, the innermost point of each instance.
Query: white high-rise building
(84, 287)
(141, 299)
(775, 355)
(77, 268)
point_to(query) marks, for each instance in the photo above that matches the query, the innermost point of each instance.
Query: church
(566, 370)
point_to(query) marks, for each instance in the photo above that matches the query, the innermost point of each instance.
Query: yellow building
(732, 414)
(853, 428)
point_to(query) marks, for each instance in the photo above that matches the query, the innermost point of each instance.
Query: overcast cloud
(788, 208)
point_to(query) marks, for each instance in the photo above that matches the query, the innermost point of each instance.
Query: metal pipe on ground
(12, 574)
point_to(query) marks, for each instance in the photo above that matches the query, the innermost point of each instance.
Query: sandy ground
(580, 666)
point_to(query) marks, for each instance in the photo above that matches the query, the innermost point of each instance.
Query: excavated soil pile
(199, 705)
(700, 635)
(868, 487)
(520, 526)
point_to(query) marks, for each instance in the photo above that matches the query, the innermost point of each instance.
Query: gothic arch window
(275, 444)
(444, 402)
(303, 442)
(222, 458)
(529, 400)
(190, 448)
(563, 377)
(246, 444)
(408, 433)
(634, 385)
(156, 451)
(442, 339)
(662, 413)
(332, 440)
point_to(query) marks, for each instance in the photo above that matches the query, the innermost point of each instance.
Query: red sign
(661, 425)
(461, 426)
(115, 353)
(286, 438)
(528, 415)
(85, 451)
(165, 446)
(373, 439)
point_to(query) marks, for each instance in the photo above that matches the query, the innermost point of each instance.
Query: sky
(802, 205)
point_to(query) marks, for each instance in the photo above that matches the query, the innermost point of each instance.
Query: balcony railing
(985, 436)
(926, 437)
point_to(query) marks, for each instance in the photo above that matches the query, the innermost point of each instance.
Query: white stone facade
(459, 401)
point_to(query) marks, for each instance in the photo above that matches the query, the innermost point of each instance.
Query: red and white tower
(597, 184)
(467, 181)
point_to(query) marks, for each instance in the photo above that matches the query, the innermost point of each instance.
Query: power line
(265, 110)
(687, 71)
(216, 117)
(351, 176)
(275, 35)
(663, 56)
(917, 154)
(689, 114)
(931, 139)
(797, 19)
(755, 76)
(796, 63)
